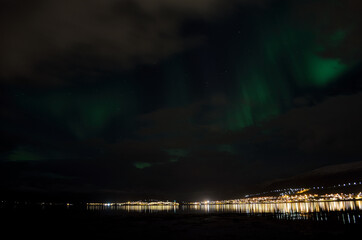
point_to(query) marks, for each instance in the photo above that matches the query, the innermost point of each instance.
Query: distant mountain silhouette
(325, 176)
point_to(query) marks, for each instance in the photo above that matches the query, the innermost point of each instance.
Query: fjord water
(303, 220)
(347, 212)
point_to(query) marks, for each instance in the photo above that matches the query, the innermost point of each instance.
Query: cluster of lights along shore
(265, 199)
(286, 191)
(285, 195)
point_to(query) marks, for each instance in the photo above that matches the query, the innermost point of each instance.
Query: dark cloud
(196, 126)
(50, 41)
(331, 128)
(138, 152)
(186, 126)
(296, 141)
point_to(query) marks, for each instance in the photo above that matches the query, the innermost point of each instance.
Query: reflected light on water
(136, 208)
(342, 211)
(298, 207)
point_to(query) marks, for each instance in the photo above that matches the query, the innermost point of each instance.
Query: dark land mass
(328, 176)
(81, 224)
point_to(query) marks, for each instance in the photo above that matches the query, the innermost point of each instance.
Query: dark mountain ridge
(342, 175)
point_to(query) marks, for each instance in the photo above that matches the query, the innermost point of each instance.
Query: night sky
(168, 99)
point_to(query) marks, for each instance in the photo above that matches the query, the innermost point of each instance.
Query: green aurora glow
(142, 165)
(285, 59)
(86, 114)
(176, 154)
(23, 154)
(277, 61)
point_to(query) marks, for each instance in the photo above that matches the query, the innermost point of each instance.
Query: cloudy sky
(186, 100)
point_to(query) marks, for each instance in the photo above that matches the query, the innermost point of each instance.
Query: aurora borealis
(176, 99)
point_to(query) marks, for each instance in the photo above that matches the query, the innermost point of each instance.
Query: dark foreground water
(320, 220)
(346, 212)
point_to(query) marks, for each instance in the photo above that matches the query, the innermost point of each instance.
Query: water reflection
(298, 207)
(136, 208)
(343, 211)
